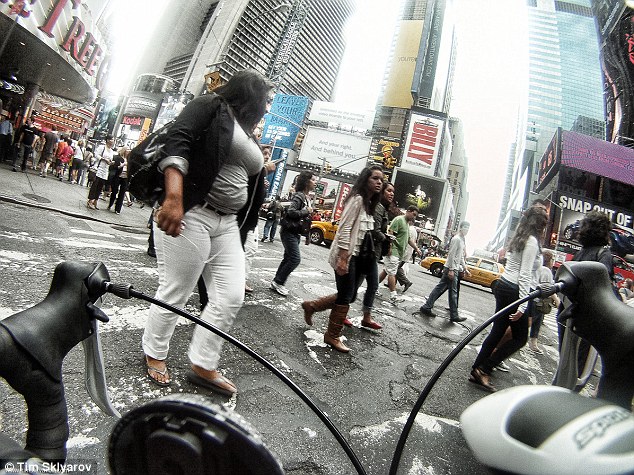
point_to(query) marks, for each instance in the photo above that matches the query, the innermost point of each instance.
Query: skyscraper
(564, 84)
(299, 41)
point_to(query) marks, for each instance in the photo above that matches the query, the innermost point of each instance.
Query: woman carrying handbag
(351, 256)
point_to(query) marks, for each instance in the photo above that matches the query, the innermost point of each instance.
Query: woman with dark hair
(346, 256)
(594, 236)
(523, 261)
(212, 159)
(290, 235)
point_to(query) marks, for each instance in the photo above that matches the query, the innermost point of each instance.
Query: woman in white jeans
(212, 157)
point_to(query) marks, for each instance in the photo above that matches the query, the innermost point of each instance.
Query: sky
(132, 31)
(487, 89)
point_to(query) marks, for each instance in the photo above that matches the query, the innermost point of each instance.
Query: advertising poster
(171, 106)
(401, 72)
(426, 193)
(573, 210)
(385, 151)
(424, 137)
(343, 194)
(342, 151)
(106, 116)
(282, 123)
(342, 114)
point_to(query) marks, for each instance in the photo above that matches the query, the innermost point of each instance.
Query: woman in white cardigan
(356, 220)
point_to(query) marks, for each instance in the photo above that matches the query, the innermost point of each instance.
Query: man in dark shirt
(27, 137)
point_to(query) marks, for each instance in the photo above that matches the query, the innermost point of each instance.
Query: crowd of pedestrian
(205, 234)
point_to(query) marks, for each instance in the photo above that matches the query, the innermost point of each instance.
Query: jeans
(292, 257)
(538, 317)
(372, 278)
(505, 294)
(25, 153)
(210, 246)
(269, 229)
(444, 284)
(348, 284)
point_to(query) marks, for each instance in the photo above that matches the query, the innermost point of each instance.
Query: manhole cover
(130, 230)
(39, 199)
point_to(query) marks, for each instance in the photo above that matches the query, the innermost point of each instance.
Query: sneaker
(503, 367)
(263, 240)
(458, 319)
(279, 288)
(407, 286)
(394, 300)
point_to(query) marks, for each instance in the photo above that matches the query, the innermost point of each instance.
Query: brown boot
(317, 305)
(335, 326)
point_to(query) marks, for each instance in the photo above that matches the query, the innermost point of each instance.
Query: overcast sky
(488, 83)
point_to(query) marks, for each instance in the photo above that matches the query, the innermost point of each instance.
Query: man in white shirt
(449, 279)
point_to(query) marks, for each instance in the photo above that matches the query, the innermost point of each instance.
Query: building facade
(565, 89)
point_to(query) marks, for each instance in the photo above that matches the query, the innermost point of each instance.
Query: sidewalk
(30, 189)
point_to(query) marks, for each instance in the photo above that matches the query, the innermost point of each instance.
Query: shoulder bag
(145, 181)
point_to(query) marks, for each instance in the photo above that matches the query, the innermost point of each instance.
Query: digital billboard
(385, 151)
(549, 163)
(426, 193)
(422, 146)
(342, 114)
(597, 156)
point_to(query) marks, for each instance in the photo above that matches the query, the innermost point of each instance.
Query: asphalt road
(368, 393)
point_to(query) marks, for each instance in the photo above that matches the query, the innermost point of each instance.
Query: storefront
(578, 174)
(52, 60)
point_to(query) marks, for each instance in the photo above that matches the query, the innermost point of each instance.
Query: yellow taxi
(485, 272)
(323, 232)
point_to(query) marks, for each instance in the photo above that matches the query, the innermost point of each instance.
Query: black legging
(119, 187)
(95, 188)
(505, 294)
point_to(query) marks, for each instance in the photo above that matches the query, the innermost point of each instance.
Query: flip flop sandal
(156, 381)
(149, 368)
(213, 384)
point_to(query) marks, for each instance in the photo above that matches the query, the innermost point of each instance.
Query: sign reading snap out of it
(337, 114)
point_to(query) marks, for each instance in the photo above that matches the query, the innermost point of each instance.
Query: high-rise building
(413, 109)
(564, 83)
(298, 43)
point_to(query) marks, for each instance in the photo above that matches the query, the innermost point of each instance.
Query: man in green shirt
(399, 229)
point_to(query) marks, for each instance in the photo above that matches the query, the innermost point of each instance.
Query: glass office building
(565, 86)
(564, 69)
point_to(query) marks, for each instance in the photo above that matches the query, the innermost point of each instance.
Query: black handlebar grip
(120, 290)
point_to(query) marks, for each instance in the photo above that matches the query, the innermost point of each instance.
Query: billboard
(422, 145)
(385, 151)
(597, 156)
(426, 193)
(282, 123)
(549, 163)
(344, 115)
(426, 63)
(172, 105)
(345, 152)
(401, 72)
(573, 210)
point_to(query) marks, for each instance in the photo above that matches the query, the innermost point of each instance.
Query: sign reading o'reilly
(67, 28)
